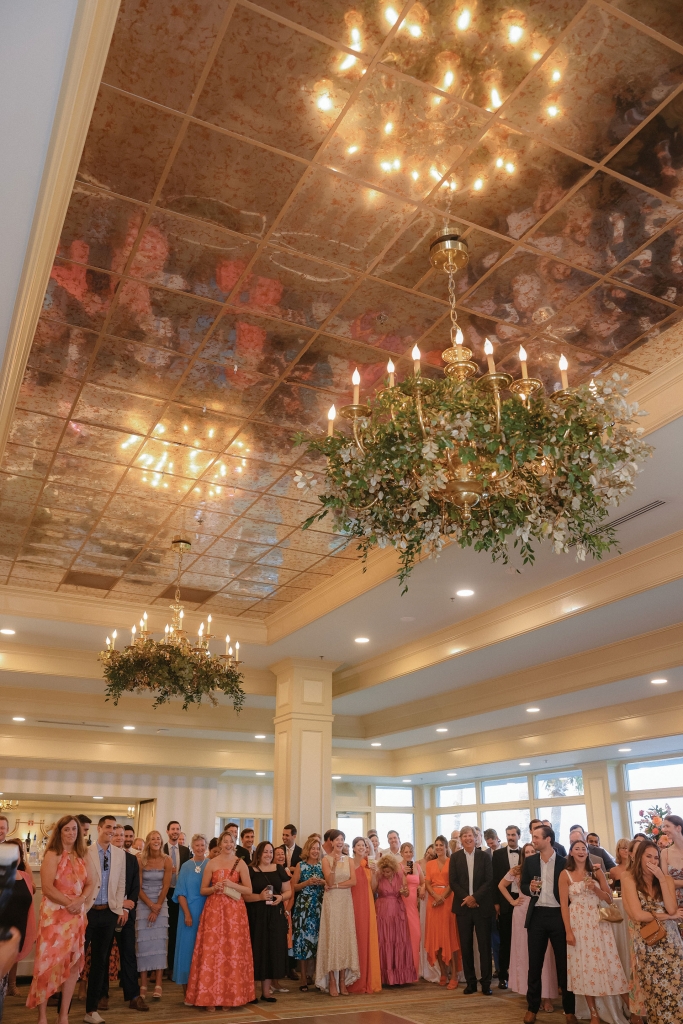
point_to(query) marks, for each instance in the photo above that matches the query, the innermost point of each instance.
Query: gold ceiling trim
(90, 38)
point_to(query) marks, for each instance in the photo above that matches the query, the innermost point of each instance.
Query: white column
(302, 785)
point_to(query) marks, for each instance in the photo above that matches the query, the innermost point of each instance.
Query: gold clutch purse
(611, 914)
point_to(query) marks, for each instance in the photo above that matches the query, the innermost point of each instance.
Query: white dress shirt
(513, 860)
(289, 852)
(470, 869)
(547, 897)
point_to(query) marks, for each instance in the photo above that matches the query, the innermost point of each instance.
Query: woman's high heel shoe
(157, 992)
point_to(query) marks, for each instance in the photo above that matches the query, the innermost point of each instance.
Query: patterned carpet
(422, 1003)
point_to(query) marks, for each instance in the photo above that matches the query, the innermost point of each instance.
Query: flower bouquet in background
(650, 823)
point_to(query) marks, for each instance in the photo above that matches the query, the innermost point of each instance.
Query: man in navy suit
(544, 920)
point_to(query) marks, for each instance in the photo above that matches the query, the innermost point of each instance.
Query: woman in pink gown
(413, 879)
(222, 969)
(519, 952)
(395, 950)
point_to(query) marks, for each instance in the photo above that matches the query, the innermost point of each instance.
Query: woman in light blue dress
(151, 925)
(191, 902)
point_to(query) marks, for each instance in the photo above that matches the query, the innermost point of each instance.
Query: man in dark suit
(125, 937)
(557, 847)
(502, 861)
(246, 850)
(544, 920)
(469, 876)
(178, 854)
(292, 851)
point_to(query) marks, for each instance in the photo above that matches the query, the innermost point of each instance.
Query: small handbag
(652, 932)
(610, 913)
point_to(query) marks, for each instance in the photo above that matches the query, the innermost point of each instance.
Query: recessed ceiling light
(98, 798)
(129, 728)
(624, 750)
(464, 593)
(260, 736)
(451, 774)
(362, 639)
(8, 632)
(658, 682)
(336, 777)
(442, 730)
(375, 744)
(406, 780)
(524, 764)
(260, 773)
(18, 718)
(532, 711)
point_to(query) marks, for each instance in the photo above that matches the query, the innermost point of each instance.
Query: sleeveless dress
(410, 902)
(518, 975)
(677, 873)
(268, 926)
(151, 940)
(306, 913)
(441, 932)
(395, 950)
(593, 964)
(660, 968)
(366, 933)
(222, 971)
(61, 935)
(188, 885)
(337, 945)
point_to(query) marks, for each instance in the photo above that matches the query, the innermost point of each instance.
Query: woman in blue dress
(308, 883)
(191, 902)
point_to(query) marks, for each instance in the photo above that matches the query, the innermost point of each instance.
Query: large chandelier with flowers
(174, 666)
(487, 461)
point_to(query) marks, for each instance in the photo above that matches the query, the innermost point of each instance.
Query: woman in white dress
(337, 945)
(593, 964)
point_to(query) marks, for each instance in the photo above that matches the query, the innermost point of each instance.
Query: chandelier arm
(356, 436)
(418, 406)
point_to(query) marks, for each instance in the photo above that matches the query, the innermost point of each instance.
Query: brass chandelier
(174, 666)
(483, 459)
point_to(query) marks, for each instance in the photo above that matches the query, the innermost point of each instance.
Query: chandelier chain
(452, 300)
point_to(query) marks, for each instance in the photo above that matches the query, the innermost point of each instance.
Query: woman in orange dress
(222, 970)
(366, 922)
(441, 933)
(66, 885)
(414, 880)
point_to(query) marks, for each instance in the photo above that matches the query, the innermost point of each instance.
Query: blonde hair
(387, 861)
(308, 846)
(622, 844)
(196, 836)
(55, 841)
(144, 856)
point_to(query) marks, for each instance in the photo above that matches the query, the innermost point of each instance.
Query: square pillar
(302, 783)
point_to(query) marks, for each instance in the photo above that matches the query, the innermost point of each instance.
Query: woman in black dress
(270, 884)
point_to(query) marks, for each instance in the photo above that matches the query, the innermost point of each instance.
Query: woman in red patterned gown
(222, 970)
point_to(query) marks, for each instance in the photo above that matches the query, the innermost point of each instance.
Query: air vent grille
(631, 515)
(92, 580)
(191, 594)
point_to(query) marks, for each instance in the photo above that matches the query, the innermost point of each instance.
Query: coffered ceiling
(250, 221)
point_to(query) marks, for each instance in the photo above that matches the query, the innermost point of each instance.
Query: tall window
(387, 819)
(656, 782)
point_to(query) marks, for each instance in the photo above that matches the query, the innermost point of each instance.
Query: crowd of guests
(217, 917)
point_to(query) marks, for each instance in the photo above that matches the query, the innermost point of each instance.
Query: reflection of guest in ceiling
(79, 294)
(520, 221)
(367, 327)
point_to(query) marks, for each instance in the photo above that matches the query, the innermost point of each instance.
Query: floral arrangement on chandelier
(430, 461)
(174, 666)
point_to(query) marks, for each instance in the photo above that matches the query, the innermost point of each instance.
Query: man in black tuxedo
(292, 851)
(544, 920)
(178, 854)
(502, 861)
(125, 937)
(469, 876)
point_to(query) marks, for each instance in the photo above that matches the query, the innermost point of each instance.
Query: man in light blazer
(469, 875)
(107, 865)
(544, 920)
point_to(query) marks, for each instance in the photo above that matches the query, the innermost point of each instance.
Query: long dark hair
(636, 869)
(55, 841)
(571, 864)
(258, 853)
(517, 870)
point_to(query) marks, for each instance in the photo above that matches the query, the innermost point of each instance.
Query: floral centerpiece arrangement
(650, 822)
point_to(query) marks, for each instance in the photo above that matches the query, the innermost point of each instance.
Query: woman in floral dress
(672, 856)
(649, 894)
(593, 964)
(66, 885)
(308, 883)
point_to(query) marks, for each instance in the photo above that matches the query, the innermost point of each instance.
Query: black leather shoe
(502, 984)
(468, 991)
(486, 992)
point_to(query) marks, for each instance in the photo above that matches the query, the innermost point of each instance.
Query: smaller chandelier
(174, 666)
(432, 460)
(8, 805)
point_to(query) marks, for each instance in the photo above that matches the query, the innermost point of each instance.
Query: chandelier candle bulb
(459, 337)
(108, 643)
(522, 360)
(237, 651)
(227, 644)
(113, 639)
(564, 366)
(488, 349)
(331, 417)
(355, 380)
(132, 636)
(416, 360)
(390, 371)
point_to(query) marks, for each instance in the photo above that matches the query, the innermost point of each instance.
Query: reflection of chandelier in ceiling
(8, 805)
(173, 666)
(431, 460)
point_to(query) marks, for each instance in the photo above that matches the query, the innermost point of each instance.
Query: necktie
(174, 860)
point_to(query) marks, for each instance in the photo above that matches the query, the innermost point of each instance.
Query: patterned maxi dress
(677, 874)
(660, 968)
(61, 935)
(306, 913)
(593, 964)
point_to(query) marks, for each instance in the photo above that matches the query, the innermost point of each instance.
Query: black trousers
(173, 911)
(99, 933)
(471, 919)
(125, 940)
(505, 932)
(547, 926)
